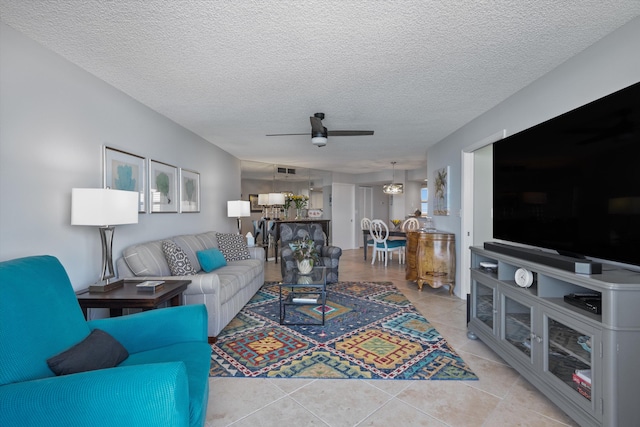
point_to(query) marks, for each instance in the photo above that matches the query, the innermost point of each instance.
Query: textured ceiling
(232, 72)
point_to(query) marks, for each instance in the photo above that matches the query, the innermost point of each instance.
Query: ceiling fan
(319, 133)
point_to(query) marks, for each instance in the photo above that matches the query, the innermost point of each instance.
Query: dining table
(366, 234)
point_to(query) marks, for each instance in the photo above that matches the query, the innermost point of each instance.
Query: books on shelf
(582, 379)
(585, 391)
(150, 285)
(306, 299)
(583, 375)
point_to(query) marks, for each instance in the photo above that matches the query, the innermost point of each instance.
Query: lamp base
(105, 286)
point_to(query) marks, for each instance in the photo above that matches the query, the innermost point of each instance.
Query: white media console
(584, 360)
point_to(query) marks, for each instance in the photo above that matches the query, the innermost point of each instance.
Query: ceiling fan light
(320, 141)
(393, 188)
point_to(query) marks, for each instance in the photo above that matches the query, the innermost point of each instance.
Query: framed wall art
(125, 171)
(253, 200)
(189, 191)
(163, 187)
(441, 193)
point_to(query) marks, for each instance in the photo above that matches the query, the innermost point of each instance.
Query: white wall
(54, 120)
(605, 67)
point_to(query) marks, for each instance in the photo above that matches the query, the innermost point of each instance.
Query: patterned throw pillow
(233, 246)
(178, 261)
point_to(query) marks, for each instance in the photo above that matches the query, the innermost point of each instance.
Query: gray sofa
(224, 291)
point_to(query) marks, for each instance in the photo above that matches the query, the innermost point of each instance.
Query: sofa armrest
(155, 394)
(156, 328)
(333, 252)
(256, 252)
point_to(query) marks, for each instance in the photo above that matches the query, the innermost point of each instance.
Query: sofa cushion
(233, 246)
(178, 261)
(97, 351)
(39, 317)
(208, 239)
(190, 244)
(210, 259)
(147, 259)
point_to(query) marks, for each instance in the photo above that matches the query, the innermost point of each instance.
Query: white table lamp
(238, 209)
(275, 200)
(104, 208)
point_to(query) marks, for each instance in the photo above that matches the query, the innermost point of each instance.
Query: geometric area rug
(371, 331)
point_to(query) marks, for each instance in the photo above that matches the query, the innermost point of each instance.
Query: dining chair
(382, 245)
(257, 229)
(365, 224)
(410, 224)
(270, 233)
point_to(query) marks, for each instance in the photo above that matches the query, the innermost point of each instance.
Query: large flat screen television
(572, 184)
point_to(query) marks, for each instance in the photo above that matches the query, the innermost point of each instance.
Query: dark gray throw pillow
(97, 351)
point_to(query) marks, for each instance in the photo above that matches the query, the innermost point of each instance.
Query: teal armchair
(164, 381)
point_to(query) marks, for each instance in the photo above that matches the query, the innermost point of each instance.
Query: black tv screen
(572, 183)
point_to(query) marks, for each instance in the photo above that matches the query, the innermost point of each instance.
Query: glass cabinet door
(516, 327)
(484, 304)
(568, 355)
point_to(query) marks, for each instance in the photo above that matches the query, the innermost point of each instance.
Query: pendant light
(393, 188)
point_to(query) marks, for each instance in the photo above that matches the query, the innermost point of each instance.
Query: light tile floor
(500, 398)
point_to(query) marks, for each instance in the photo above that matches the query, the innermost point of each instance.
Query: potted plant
(305, 254)
(300, 202)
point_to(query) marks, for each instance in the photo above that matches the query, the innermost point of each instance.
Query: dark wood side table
(128, 296)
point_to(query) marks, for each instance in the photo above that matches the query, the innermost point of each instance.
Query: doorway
(477, 202)
(365, 209)
(343, 208)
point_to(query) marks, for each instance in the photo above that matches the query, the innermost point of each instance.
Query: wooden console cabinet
(431, 259)
(548, 340)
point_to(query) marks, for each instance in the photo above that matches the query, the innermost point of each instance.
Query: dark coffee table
(303, 289)
(128, 296)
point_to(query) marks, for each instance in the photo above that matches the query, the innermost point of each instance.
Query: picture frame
(163, 187)
(441, 192)
(253, 200)
(125, 171)
(189, 191)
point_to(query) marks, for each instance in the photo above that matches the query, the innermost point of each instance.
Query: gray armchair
(329, 255)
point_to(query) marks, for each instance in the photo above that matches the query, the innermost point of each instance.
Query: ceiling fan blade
(287, 134)
(317, 129)
(350, 132)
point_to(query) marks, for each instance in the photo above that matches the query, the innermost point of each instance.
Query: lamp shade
(238, 208)
(276, 199)
(263, 199)
(103, 206)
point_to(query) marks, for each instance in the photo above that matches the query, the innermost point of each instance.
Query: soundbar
(580, 266)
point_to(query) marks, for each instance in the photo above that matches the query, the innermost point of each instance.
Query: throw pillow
(210, 259)
(233, 246)
(97, 351)
(178, 261)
